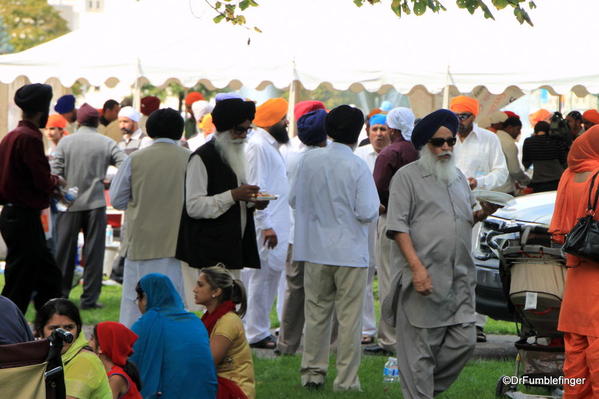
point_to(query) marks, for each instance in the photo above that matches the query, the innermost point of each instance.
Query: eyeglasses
(464, 116)
(438, 141)
(241, 129)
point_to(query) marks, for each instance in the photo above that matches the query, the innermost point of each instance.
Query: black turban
(34, 97)
(344, 124)
(165, 123)
(428, 126)
(232, 112)
(311, 127)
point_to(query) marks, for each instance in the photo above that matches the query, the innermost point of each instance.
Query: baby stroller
(33, 370)
(533, 274)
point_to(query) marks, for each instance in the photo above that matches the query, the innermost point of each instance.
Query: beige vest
(157, 197)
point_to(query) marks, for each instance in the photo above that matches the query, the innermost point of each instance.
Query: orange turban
(461, 104)
(539, 116)
(591, 115)
(374, 112)
(56, 120)
(192, 97)
(270, 112)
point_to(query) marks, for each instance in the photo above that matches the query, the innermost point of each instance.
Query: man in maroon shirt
(400, 152)
(25, 188)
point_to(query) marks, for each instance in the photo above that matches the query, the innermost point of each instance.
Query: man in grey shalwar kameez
(430, 218)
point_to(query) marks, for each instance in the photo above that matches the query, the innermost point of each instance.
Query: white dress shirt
(335, 199)
(198, 204)
(267, 170)
(368, 154)
(480, 156)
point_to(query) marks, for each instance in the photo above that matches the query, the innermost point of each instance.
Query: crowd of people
(225, 212)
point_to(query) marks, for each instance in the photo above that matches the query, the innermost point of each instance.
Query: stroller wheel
(503, 387)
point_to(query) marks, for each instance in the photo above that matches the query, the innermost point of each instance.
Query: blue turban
(378, 119)
(386, 106)
(65, 104)
(311, 127)
(428, 126)
(227, 96)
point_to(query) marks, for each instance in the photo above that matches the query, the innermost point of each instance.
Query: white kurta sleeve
(198, 204)
(367, 198)
(258, 168)
(498, 168)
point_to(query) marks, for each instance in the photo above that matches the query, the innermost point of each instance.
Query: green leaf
(217, 5)
(243, 5)
(396, 7)
(420, 7)
(359, 3)
(500, 4)
(257, 29)
(486, 12)
(531, 5)
(218, 18)
(253, 3)
(406, 8)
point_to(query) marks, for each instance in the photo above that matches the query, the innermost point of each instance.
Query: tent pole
(446, 89)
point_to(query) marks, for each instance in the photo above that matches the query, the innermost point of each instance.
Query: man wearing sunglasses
(431, 303)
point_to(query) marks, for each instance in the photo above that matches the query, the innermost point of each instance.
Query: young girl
(113, 342)
(219, 292)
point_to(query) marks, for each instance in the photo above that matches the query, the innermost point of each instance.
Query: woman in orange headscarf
(579, 314)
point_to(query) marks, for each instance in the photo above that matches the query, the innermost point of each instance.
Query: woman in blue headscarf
(173, 350)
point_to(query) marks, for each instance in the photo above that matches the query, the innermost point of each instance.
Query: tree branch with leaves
(232, 10)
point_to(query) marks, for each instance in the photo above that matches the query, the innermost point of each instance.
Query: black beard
(279, 132)
(463, 129)
(126, 131)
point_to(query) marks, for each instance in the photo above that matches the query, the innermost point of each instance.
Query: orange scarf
(583, 157)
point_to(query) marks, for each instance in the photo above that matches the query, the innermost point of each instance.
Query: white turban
(402, 118)
(130, 113)
(201, 108)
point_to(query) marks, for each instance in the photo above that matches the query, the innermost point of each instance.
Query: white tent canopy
(316, 41)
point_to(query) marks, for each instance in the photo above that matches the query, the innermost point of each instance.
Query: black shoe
(376, 349)
(480, 335)
(269, 342)
(96, 305)
(314, 386)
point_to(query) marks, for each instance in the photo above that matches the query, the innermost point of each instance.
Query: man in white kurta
(378, 135)
(266, 169)
(335, 200)
(479, 157)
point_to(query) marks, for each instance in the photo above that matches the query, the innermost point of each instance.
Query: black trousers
(30, 266)
(93, 224)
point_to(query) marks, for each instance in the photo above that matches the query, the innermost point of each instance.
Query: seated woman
(84, 374)
(172, 352)
(113, 342)
(13, 326)
(219, 292)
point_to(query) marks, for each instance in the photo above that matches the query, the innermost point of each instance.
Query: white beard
(232, 151)
(444, 170)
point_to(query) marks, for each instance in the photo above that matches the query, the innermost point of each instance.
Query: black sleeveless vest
(206, 242)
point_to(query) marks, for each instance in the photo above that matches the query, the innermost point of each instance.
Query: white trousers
(134, 271)
(263, 286)
(368, 319)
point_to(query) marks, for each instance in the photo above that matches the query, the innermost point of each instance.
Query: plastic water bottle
(391, 371)
(109, 235)
(69, 196)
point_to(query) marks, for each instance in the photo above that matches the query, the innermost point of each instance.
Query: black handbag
(583, 239)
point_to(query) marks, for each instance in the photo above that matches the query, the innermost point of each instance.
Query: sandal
(266, 343)
(367, 340)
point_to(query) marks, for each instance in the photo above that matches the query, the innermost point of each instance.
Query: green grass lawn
(279, 378)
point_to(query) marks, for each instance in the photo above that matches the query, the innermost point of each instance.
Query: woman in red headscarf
(113, 342)
(579, 314)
